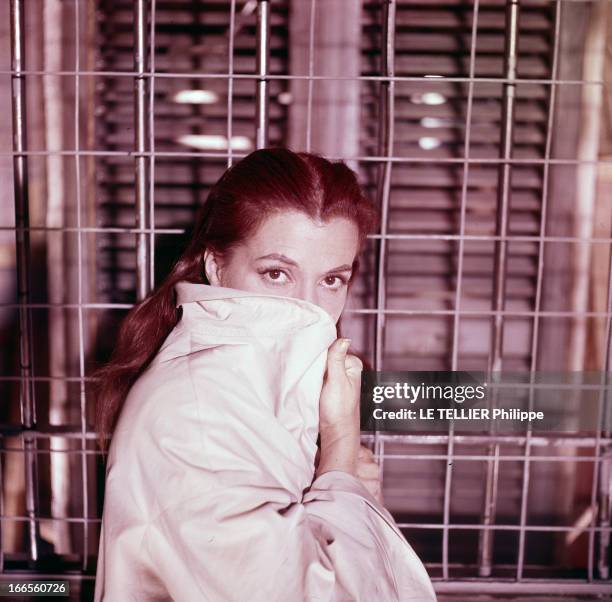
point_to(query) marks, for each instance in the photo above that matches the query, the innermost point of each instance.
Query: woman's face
(293, 256)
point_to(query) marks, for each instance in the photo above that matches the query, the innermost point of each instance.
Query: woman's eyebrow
(342, 268)
(279, 257)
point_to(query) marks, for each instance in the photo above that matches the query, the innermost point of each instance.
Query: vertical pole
(387, 128)
(311, 52)
(504, 183)
(22, 223)
(80, 262)
(535, 333)
(230, 81)
(450, 447)
(387, 118)
(151, 117)
(485, 547)
(143, 261)
(263, 65)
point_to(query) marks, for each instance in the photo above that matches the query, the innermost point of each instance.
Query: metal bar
(263, 66)
(387, 122)
(446, 237)
(311, 36)
(56, 267)
(540, 440)
(499, 385)
(356, 158)
(386, 128)
(485, 544)
(20, 173)
(542, 586)
(538, 295)
(143, 285)
(230, 82)
(410, 457)
(152, 154)
(402, 525)
(448, 472)
(287, 76)
(448, 479)
(485, 541)
(504, 183)
(478, 313)
(80, 296)
(481, 527)
(22, 217)
(440, 237)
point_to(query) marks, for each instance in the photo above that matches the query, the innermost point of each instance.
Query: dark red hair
(266, 181)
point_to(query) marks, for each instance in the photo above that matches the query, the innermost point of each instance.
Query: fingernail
(345, 344)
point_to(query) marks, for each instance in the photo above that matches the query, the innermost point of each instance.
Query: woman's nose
(307, 292)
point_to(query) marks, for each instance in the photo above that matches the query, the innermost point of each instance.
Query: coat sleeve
(336, 544)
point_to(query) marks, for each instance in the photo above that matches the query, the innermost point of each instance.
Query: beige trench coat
(209, 483)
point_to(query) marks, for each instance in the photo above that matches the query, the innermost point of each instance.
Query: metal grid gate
(471, 123)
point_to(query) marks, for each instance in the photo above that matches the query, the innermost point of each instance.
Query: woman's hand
(368, 473)
(339, 410)
(339, 402)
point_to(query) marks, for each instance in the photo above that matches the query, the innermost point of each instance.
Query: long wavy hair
(265, 181)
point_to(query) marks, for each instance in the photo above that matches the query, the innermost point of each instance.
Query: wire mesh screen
(483, 131)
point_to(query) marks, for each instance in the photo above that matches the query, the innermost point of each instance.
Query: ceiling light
(429, 142)
(196, 97)
(428, 98)
(285, 98)
(210, 142)
(432, 122)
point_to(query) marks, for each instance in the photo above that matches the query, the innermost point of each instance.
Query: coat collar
(190, 292)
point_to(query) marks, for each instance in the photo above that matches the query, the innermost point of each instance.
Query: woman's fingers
(353, 367)
(336, 358)
(339, 401)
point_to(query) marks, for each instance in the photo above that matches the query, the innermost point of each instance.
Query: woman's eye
(276, 276)
(334, 281)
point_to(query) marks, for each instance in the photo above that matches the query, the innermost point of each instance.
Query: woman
(221, 382)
